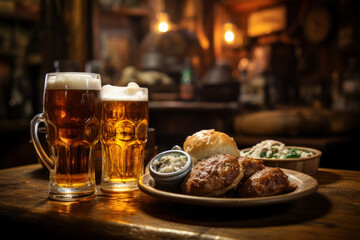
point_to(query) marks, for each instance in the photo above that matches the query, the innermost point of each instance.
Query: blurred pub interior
(256, 69)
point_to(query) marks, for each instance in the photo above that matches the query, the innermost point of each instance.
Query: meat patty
(213, 176)
(266, 182)
(250, 166)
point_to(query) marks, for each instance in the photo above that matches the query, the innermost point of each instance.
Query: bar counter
(333, 212)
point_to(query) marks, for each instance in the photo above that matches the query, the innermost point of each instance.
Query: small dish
(172, 179)
(308, 165)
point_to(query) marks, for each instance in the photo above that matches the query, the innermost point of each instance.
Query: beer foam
(130, 93)
(73, 81)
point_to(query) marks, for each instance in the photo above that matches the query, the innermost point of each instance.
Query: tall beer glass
(124, 125)
(71, 114)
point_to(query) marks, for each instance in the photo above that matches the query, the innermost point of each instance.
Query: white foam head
(130, 93)
(73, 80)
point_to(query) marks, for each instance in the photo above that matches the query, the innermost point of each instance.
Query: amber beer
(72, 118)
(124, 124)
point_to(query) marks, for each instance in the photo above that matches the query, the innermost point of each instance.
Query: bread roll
(206, 143)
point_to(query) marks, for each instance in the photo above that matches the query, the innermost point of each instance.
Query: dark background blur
(290, 73)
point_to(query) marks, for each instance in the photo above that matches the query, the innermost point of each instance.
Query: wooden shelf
(19, 17)
(251, 5)
(129, 11)
(9, 125)
(193, 106)
(8, 53)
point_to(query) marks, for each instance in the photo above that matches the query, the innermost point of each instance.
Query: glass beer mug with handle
(124, 126)
(71, 114)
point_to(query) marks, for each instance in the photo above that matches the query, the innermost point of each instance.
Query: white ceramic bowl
(307, 165)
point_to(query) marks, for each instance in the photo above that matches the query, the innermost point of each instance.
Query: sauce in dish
(169, 163)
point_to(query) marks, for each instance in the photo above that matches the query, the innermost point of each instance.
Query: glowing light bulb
(163, 27)
(162, 22)
(229, 36)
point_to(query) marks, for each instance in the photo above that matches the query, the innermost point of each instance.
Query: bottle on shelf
(187, 88)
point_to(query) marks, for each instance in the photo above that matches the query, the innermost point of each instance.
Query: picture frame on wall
(267, 21)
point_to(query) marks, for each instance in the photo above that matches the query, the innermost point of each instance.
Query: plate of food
(277, 154)
(219, 176)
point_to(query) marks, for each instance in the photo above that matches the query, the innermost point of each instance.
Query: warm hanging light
(162, 22)
(229, 37)
(163, 27)
(232, 36)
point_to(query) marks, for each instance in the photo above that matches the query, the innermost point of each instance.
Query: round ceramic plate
(306, 186)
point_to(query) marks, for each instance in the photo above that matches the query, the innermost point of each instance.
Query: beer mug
(124, 124)
(71, 114)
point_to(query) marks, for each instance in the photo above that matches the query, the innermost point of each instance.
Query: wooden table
(333, 212)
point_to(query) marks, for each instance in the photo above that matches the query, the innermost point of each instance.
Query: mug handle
(34, 124)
